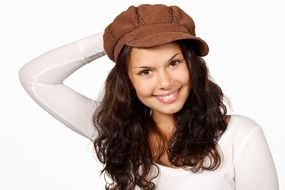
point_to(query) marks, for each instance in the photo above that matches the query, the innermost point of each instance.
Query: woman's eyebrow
(174, 56)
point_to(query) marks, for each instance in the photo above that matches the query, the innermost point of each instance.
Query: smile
(168, 98)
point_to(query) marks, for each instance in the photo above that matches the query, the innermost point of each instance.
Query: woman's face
(160, 77)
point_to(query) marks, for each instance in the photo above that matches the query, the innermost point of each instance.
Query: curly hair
(125, 125)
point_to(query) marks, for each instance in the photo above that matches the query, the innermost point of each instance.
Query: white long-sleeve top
(247, 163)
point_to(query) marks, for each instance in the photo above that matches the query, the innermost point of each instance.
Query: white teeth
(167, 95)
(168, 98)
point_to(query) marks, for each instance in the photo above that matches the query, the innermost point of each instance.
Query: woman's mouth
(168, 98)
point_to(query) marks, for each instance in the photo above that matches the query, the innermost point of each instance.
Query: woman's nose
(164, 80)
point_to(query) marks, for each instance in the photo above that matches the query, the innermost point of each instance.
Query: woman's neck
(166, 128)
(165, 124)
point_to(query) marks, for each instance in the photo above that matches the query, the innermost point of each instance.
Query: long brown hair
(124, 126)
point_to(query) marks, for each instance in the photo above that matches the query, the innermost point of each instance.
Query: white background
(246, 39)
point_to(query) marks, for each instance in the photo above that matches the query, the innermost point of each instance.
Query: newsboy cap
(151, 25)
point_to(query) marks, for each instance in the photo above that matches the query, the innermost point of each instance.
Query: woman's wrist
(91, 47)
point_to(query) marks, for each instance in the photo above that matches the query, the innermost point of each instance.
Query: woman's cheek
(144, 87)
(184, 76)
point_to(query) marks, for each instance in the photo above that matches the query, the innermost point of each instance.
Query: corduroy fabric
(151, 25)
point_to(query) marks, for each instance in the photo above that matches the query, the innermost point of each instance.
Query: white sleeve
(254, 166)
(43, 78)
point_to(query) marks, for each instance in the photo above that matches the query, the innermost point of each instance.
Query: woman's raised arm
(43, 78)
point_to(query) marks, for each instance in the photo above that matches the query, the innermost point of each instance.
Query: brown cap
(150, 25)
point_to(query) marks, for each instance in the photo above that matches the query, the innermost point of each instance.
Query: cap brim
(199, 45)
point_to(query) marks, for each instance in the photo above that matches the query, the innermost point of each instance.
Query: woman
(162, 122)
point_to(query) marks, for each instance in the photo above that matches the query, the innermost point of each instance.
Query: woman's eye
(144, 72)
(174, 62)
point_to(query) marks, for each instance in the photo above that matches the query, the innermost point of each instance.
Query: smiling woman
(161, 114)
(165, 116)
(160, 77)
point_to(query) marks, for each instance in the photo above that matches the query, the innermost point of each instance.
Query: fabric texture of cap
(151, 25)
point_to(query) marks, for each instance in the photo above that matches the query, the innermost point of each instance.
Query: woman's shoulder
(239, 127)
(241, 123)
